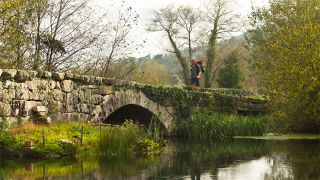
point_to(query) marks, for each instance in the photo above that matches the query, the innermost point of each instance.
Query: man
(195, 70)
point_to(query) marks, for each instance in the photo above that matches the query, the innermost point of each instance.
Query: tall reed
(218, 125)
(120, 140)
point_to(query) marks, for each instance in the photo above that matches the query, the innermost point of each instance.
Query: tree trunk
(182, 61)
(211, 55)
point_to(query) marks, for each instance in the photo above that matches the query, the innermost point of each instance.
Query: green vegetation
(282, 136)
(231, 76)
(217, 125)
(180, 99)
(285, 50)
(64, 139)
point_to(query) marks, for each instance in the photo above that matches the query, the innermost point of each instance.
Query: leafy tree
(231, 76)
(221, 21)
(286, 52)
(16, 22)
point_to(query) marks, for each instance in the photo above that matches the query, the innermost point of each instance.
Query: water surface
(243, 159)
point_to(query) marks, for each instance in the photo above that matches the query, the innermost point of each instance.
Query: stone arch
(124, 98)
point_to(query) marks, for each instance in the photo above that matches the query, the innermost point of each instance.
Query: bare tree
(221, 22)
(69, 34)
(188, 19)
(171, 20)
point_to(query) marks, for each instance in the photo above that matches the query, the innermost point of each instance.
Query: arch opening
(136, 113)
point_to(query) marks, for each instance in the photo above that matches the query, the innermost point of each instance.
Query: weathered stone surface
(98, 81)
(58, 76)
(108, 81)
(85, 96)
(22, 92)
(5, 109)
(21, 76)
(104, 90)
(44, 74)
(69, 76)
(27, 106)
(57, 95)
(72, 98)
(8, 74)
(67, 86)
(8, 95)
(32, 74)
(40, 111)
(83, 108)
(85, 79)
(69, 116)
(51, 85)
(96, 99)
(9, 84)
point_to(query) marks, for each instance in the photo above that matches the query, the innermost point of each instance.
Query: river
(239, 159)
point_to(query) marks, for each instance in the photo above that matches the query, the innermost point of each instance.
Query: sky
(155, 42)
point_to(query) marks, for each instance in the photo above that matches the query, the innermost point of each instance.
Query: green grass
(63, 139)
(218, 125)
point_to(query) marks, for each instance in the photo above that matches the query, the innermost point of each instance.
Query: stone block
(9, 84)
(85, 96)
(67, 86)
(70, 108)
(8, 95)
(21, 76)
(108, 81)
(83, 108)
(22, 94)
(51, 85)
(69, 116)
(85, 79)
(98, 81)
(69, 76)
(33, 74)
(57, 95)
(92, 80)
(5, 109)
(72, 98)
(58, 76)
(27, 106)
(40, 111)
(96, 99)
(8, 74)
(44, 74)
(106, 90)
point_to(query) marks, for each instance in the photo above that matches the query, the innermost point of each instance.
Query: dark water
(244, 159)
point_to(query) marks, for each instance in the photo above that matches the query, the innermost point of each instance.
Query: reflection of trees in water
(295, 159)
(287, 160)
(195, 158)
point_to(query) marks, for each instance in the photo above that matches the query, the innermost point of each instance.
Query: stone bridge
(44, 96)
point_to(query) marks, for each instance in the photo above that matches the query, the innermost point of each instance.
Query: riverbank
(72, 139)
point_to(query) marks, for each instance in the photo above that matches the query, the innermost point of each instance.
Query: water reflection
(234, 159)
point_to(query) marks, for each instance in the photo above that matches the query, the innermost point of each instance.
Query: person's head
(193, 61)
(199, 62)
